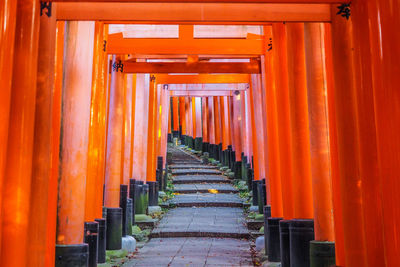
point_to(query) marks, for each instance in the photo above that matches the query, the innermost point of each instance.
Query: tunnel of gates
(310, 101)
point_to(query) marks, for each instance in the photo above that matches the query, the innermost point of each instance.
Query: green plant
(139, 234)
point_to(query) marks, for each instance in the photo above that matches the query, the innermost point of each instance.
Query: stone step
(191, 179)
(191, 166)
(204, 188)
(196, 171)
(206, 200)
(192, 252)
(202, 222)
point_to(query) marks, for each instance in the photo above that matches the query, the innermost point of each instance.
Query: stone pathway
(207, 227)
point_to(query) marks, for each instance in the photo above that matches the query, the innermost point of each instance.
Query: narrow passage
(207, 227)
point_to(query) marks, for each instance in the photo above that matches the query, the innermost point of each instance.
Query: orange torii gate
(367, 148)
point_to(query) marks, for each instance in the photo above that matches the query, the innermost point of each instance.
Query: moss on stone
(142, 218)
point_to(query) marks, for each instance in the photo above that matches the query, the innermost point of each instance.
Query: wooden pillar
(18, 161)
(175, 110)
(236, 125)
(258, 132)
(164, 121)
(141, 127)
(383, 21)
(97, 131)
(133, 81)
(8, 11)
(211, 119)
(301, 164)
(199, 130)
(42, 148)
(217, 121)
(127, 131)
(333, 151)
(272, 127)
(204, 109)
(77, 83)
(225, 117)
(248, 124)
(150, 176)
(182, 121)
(55, 150)
(318, 121)
(114, 137)
(193, 114)
(347, 140)
(279, 54)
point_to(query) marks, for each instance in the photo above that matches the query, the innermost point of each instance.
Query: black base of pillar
(153, 193)
(198, 143)
(301, 233)
(114, 229)
(91, 233)
(250, 175)
(254, 189)
(104, 215)
(132, 184)
(101, 249)
(261, 192)
(169, 138)
(146, 198)
(273, 248)
(165, 178)
(129, 216)
(175, 134)
(267, 214)
(322, 254)
(238, 170)
(285, 242)
(123, 196)
(72, 255)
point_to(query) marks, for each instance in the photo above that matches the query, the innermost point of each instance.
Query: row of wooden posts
(320, 122)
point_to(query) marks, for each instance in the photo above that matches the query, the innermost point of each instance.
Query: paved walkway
(207, 227)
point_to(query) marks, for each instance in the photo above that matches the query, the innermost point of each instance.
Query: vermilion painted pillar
(77, 84)
(372, 180)
(55, 151)
(199, 130)
(384, 39)
(217, 120)
(97, 131)
(258, 132)
(141, 127)
(211, 119)
(182, 114)
(236, 125)
(175, 110)
(348, 141)
(318, 121)
(7, 32)
(187, 121)
(243, 123)
(193, 114)
(301, 164)
(114, 137)
(204, 109)
(225, 116)
(273, 171)
(164, 121)
(18, 168)
(133, 80)
(127, 132)
(189, 114)
(248, 124)
(150, 175)
(42, 149)
(283, 117)
(333, 151)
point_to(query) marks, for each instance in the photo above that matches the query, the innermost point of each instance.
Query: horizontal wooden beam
(208, 1)
(194, 67)
(207, 87)
(203, 79)
(201, 93)
(136, 47)
(194, 13)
